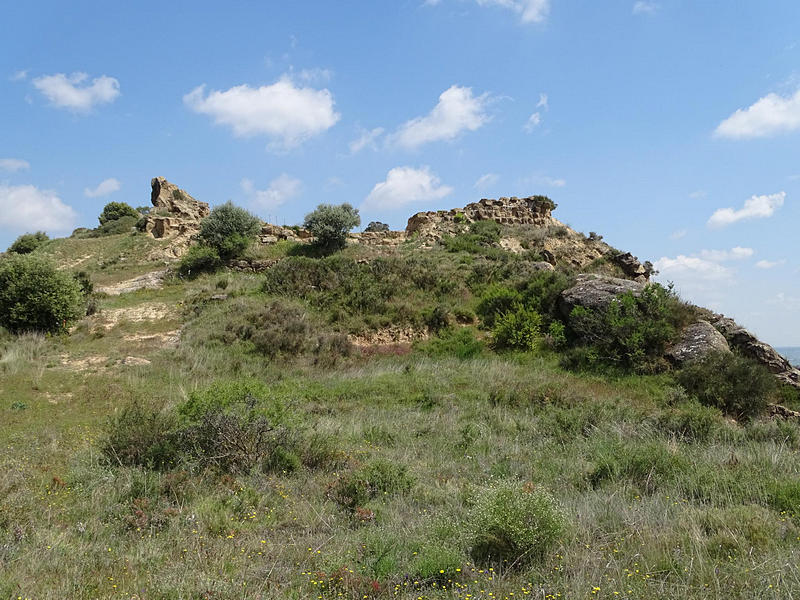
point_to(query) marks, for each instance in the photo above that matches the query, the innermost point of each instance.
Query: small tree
(35, 296)
(28, 242)
(376, 227)
(329, 224)
(116, 210)
(229, 230)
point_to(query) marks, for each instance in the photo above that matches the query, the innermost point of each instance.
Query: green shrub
(542, 291)
(734, 384)
(518, 329)
(35, 296)
(229, 230)
(482, 239)
(495, 301)
(556, 337)
(113, 211)
(282, 329)
(513, 524)
(377, 478)
(329, 224)
(199, 259)
(461, 343)
(28, 242)
(231, 427)
(632, 332)
(233, 396)
(141, 436)
(122, 225)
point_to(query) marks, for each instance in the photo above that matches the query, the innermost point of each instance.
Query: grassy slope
(652, 515)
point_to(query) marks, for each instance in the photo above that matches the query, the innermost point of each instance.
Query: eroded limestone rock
(696, 341)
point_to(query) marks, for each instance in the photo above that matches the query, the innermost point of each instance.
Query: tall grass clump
(512, 523)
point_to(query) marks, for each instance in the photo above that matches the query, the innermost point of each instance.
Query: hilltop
(487, 404)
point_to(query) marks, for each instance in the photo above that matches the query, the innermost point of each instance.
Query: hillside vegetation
(394, 422)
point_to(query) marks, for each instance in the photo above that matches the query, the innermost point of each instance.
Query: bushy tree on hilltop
(35, 296)
(113, 211)
(229, 230)
(28, 242)
(330, 223)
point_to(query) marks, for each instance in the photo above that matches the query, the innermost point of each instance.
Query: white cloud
(404, 185)
(19, 75)
(770, 115)
(769, 264)
(315, 75)
(27, 208)
(737, 253)
(676, 235)
(698, 194)
(457, 111)
(280, 189)
(485, 181)
(755, 207)
(543, 102)
(14, 164)
(536, 118)
(284, 112)
(104, 188)
(533, 122)
(366, 139)
(74, 92)
(529, 11)
(644, 8)
(683, 267)
(545, 180)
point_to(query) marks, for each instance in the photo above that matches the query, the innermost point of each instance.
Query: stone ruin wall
(432, 225)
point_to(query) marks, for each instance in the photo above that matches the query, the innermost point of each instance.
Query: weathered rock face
(432, 225)
(696, 341)
(175, 215)
(749, 345)
(596, 292)
(271, 234)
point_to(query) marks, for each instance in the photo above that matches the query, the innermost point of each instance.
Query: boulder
(631, 266)
(748, 344)
(697, 340)
(596, 292)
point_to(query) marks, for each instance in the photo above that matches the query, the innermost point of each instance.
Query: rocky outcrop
(748, 344)
(431, 226)
(631, 266)
(531, 226)
(696, 341)
(596, 292)
(175, 214)
(271, 234)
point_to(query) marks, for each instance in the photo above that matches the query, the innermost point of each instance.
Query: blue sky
(670, 127)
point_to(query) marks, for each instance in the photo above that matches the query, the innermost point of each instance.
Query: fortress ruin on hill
(528, 226)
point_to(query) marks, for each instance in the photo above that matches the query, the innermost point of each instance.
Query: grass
(660, 497)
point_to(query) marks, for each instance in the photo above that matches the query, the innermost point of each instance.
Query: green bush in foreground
(198, 260)
(329, 224)
(518, 329)
(229, 230)
(734, 384)
(510, 523)
(28, 242)
(35, 296)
